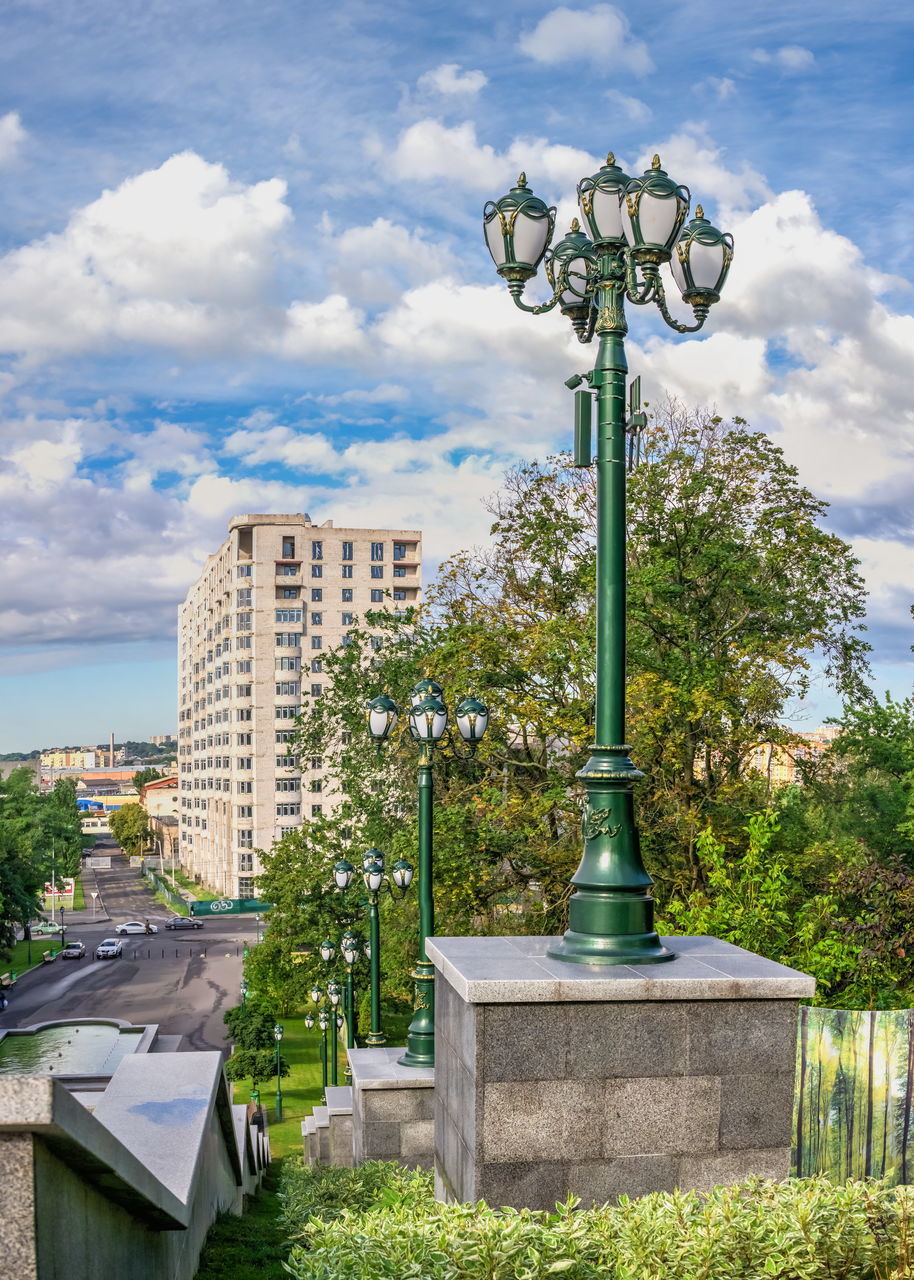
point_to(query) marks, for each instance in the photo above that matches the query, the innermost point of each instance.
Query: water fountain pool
(68, 1048)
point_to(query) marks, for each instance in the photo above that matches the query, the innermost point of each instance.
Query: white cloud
(632, 108)
(692, 157)
(448, 78)
(430, 150)
(12, 136)
(179, 257)
(373, 264)
(791, 58)
(597, 35)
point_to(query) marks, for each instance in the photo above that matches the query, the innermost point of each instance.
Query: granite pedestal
(393, 1108)
(554, 1078)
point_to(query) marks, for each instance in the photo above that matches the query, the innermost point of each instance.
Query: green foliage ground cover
(252, 1246)
(380, 1222)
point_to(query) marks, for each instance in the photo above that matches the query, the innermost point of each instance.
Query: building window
(316, 810)
(347, 550)
(317, 595)
(316, 690)
(245, 862)
(377, 571)
(288, 688)
(317, 571)
(288, 615)
(243, 690)
(376, 642)
(286, 570)
(317, 551)
(245, 887)
(399, 550)
(317, 642)
(377, 595)
(287, 762)
(288, 593)
(285, 735)
(317, 619)
(243, 621)
(288, 809)
(245, 642)
(244, 713)
(347, 570)
(244, 839)
(288, 640)
(243, 667)
(399, 571)
(288, 784)
(316, 784)
(288, 664)
(399, 594)
(377, 551)
(245, 762)
(244, 571)
(347, 595)
(286, 713)
(243, 596)
(288, 548)
(317, 664)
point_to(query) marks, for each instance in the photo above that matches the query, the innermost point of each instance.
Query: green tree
(130, 827)
(255, 1065)
(142, 776)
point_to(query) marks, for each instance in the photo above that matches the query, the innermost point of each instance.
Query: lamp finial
(655, 163)
(699, 211)
(610, 159)
(575, 225)
(522, 180)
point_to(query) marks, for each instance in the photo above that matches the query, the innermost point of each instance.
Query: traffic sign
(228, 907)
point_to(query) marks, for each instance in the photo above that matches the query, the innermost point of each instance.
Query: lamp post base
(585, 948)
(420, 1039)
(374, 1039)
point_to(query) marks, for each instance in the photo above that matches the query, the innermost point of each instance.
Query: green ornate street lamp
(323, 1021)
(428, 725)
(375, 879)
(632, 227)
(243, 988)
(334, 995)
(277, 1036)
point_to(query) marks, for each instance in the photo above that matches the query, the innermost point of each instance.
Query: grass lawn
(251, 1247)
(302, 1090)
(198, 890)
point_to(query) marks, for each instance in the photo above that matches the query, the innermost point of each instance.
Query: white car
(136, 926)
(109, 949)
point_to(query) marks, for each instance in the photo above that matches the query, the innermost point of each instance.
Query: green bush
(381, 1223)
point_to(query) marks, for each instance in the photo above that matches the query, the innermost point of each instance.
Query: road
(182, 981)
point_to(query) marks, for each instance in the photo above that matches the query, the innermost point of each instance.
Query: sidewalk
(90, 886)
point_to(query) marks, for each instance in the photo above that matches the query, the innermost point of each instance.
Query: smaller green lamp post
(243, 988)
(334, 995)
(375, 879)
(277, 1036)
(323, 1022)
(428, 714)
(350, 949)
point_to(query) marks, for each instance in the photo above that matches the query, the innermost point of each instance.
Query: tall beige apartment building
(252, 632)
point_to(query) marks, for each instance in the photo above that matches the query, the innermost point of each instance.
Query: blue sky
(241, 268)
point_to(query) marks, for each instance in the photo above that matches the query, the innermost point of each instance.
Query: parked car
(45, 926)
(183, 922)
(74, 950)
(136, 926)
(109, 949)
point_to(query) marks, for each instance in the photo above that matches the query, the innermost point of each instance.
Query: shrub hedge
(381, 1222)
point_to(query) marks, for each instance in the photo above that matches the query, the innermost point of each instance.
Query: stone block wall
(536, 1100)
(393, 1109)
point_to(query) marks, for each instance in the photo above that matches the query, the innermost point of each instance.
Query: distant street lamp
(323, 1022)
(334, 994)
(633, 226)
(243, 988)
(277, 1036)
(428, 725)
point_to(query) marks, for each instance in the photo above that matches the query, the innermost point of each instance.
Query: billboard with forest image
(855, 1071)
